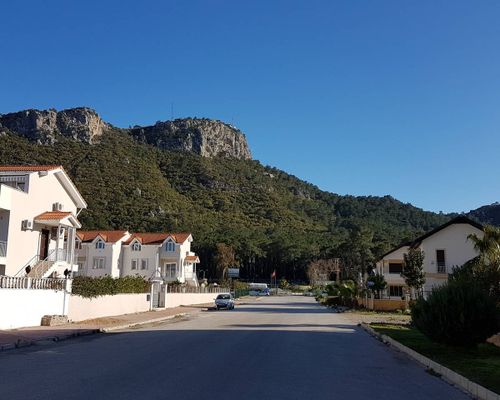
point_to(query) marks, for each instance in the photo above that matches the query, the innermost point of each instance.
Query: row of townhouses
(39, 237)
(444, 248)
(120, 253)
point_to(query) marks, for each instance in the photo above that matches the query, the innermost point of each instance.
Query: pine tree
(413, 270)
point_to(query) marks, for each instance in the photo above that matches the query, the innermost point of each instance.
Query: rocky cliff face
(208, 138)
(45, 127)
(205, 137)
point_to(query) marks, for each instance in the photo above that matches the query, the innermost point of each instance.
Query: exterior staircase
(40, 269)
(192, 281)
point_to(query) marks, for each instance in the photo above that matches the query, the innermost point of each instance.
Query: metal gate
(158, 295)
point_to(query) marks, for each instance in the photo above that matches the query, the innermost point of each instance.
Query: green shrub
(86, 286)
(284, 284)
(239, 285)
(332, 301)
(457, 313)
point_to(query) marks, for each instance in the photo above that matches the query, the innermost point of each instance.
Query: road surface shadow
(222, 364)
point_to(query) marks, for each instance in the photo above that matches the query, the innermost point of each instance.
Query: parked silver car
(224, 300)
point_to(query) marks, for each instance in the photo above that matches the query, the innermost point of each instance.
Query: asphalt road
(275, 348)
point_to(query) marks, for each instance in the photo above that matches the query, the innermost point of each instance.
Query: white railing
(54, 255)
(58, 255)
(441, 269)
(30, 263)
(3, 248)
(191, 289)
(11, 282)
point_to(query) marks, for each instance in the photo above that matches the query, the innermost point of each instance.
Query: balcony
(441, 269)
(18, 182)
(3, 249)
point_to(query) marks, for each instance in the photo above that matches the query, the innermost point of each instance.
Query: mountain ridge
(273, 220)
(202, 136)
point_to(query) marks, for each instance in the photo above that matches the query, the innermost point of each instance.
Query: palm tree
(488, 246)
(376, 283)
(485, 269)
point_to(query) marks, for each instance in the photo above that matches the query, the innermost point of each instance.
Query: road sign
(233, 272)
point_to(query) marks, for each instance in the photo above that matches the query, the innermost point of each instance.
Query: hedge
(86, 286)
(457, 314)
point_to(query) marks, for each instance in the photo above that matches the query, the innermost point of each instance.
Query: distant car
(224, 300)
(259, 292)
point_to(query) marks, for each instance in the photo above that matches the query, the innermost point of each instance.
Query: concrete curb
(137, 324)
(20, 343)
(460, 381)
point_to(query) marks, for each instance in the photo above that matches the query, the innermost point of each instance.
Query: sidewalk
(22, 337)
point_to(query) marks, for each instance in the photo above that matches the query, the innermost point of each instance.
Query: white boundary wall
(81, 308)
(187, 299)
(26, 307)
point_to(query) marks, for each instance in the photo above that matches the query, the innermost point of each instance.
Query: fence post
(67, 285)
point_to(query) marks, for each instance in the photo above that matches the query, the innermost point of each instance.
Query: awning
(56, 218)
(192, 259)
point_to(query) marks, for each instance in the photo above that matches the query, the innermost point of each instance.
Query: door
(44, 244)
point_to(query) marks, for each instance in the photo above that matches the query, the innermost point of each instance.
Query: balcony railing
(441, 269)
(58, 255)
(3, 248)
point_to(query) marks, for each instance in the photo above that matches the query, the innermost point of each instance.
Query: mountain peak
(43, 126)
(206, 137)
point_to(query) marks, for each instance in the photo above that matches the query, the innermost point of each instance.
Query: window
(136, 246)
(170, 270)
(78, 245)
(395, 268)
(133, 264)
(99, 244)
(441, 261)
(144, 264)
(396, 291)
(170, 246)
(99, 263)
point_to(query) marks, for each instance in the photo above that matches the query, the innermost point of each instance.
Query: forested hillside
(272, 219)
(489, 214)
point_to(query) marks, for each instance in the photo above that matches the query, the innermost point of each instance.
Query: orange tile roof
(28, 168)
(152, 238)
(53, 215)
(193, 258)
(108, 236)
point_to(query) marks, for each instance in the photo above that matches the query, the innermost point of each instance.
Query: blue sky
(357, 97)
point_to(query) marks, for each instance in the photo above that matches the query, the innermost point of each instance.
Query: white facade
(167, 255)
(98, 252)
(444, 248)
(39, 206)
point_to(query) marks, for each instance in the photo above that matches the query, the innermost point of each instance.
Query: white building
(39, 206)
(119, 253)
(445, 247)
(98, 252)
